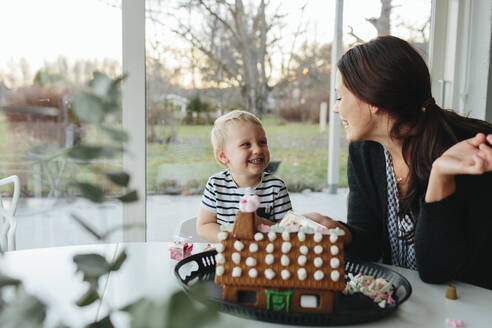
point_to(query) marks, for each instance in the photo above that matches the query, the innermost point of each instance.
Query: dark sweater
(453, 237)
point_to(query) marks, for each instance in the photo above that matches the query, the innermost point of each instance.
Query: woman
(420, 177)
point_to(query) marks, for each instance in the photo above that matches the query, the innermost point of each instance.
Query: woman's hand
(470, 156)
(330, 224)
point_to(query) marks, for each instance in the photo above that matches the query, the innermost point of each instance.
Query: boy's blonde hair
(219, 131)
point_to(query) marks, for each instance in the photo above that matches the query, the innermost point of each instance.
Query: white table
(49, 273)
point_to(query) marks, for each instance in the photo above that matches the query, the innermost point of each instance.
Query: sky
(40, 30)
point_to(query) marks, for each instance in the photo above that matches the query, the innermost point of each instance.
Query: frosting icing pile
(379, 290)
(249, 203)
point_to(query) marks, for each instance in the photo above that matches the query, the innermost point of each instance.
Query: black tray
(348, 309)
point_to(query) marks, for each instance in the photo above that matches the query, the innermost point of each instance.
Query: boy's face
(245, 150)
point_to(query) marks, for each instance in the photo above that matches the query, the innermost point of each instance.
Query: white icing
(337, 231)
(318, 262)
(253, 273)
(250, 261)
(335, 275)
(219, 270)
(222, 235)
(236, 272)
(334, 250)
(238, 245)
(285, 274)
(333, 238)
(285, 235)
(236, 258)
(286, 246)
(269, 274)
(220, 258)
(334, 263)
(269, 248)
(272, 236)
(269, 259)
(258, 236)
(318, 249)
(301, 274)
(220, 247)
(301, 260)
(318, 237)
(301, 236)
(318, 275)
(284, 260)
(303, 249)
(253, 248)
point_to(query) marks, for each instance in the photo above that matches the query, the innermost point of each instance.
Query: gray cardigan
(453, 237)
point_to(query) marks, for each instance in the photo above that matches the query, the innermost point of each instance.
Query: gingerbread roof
(284, 259)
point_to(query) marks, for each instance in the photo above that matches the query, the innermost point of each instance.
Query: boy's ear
(221, 156)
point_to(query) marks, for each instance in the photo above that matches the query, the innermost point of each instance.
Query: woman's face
(356, 115)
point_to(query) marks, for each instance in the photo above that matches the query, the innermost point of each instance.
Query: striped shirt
(222, 195)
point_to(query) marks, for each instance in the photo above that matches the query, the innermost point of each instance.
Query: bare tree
(382, 24)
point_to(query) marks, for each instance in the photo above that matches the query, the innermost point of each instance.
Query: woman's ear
(373, 109)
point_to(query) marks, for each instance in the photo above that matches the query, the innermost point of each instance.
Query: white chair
(8, 223)
(188, 229)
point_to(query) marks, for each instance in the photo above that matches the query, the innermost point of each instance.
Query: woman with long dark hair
(420, 177)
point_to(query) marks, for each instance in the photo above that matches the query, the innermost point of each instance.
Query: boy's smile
(245, 153)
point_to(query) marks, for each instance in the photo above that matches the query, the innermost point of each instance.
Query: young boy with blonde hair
(240, 145)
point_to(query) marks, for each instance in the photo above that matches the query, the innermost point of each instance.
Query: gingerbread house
(280, 269)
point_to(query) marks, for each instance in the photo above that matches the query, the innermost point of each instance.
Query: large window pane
(50, 50)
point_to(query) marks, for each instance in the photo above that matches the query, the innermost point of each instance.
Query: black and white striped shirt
(222, 195)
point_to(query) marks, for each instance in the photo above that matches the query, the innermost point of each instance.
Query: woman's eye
(338, 99)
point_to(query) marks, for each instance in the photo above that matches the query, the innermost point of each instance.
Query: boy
(240, 145)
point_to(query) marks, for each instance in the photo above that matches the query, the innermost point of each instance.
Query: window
(309, 301)
(246, 297)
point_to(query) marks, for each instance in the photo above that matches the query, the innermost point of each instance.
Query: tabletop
(148, 272)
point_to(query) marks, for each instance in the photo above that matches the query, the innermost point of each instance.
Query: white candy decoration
(253, 248)
(286, 246)
(285, 274)
(236, 258)
(220, 247)
(220, 258)
(272, 236)
(318, 262)
(250, 261)
(238, 245)
(222, 235)
(219, 270)
(335, 275)
(301, 274)
(303, 249)
(284, 260)
(258, 236)
(334, 263)
(318, 237)
(236, 272)
(333, 238)
(269, 248)
(318, 275)
(253, 273)
(334, 250)
(285, 235)
(269, 259)
(269, 274)
(318, 249)
(301, 236)
(301, 260)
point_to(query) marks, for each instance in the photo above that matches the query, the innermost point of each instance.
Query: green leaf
(88, 107)
(88, 298)
(23, 311)
(120, 178)
(183, 313)
(87, 153)
(100, 84)
(118, 135)
(103, 323)
(116, 264)
(92, 266)
(8, 281)
(132, 196)
(87, 227)
(145, 313)
(89, 191)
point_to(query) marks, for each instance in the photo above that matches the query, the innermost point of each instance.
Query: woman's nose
(335, 109)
